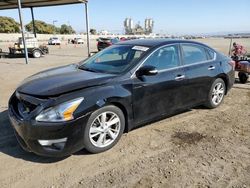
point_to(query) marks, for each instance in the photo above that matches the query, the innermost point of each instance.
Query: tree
(66, 29)
(8, 25)
(93, 31)
(42, 27)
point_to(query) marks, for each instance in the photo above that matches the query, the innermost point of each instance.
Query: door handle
(211, 68)
(179, 77)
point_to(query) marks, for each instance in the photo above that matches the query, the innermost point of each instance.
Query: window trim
(200, 62)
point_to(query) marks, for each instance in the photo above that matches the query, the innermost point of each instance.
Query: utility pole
(87, 27)
(54, 21)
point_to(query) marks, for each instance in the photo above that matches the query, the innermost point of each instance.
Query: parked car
(91, 104)
(106, 42)
(78, 41)
(123, 39)
(54, 41)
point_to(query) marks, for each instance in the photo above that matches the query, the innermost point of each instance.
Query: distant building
(148, 26)
(138, 30)
(129, 26)
(130, 29)
(104, 32)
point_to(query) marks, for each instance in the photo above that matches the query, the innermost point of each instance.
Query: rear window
(211, 54)
(114, 41)
(193, 54)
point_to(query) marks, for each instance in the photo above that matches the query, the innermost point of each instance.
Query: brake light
(232, 63)
(109, 43)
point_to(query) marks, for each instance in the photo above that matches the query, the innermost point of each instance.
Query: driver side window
(164, 58)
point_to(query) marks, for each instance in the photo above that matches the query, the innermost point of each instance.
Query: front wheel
(104, 129)
(216, 94)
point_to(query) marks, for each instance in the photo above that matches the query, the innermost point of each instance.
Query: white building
(104, 32)
(149, 25)
(128, 25)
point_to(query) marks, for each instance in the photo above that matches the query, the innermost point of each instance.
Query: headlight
(62, 112)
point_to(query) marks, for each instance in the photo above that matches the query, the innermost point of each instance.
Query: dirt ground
(197, 148)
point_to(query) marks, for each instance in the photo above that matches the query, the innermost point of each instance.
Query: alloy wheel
(218, 93)
(105, 129)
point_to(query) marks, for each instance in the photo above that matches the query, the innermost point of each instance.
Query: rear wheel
(243, 77)
(216, 94)
(104, 129)
(36, 53)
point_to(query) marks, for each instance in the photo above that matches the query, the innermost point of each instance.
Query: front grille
(22, 107)
(25, 108)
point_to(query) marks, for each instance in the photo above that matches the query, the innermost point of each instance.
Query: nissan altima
(91, 104)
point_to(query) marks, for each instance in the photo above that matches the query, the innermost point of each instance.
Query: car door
(200, 69)
(162, 93)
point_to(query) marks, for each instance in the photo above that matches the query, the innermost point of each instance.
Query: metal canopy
(11, 4)
(19, 4)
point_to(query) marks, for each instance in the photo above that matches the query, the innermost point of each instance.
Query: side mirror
(146, 71)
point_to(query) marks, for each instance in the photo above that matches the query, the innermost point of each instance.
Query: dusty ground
(198, 148)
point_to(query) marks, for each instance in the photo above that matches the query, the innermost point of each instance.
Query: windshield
(113, 60)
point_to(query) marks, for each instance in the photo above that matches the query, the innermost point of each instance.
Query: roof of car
(155, 42)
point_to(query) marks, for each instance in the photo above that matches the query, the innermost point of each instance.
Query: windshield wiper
(87, 69)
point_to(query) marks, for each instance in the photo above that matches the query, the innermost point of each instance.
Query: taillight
(98, 43)
(232, 63)
(109, 43)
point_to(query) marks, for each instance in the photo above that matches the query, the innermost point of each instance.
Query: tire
(98, 138)
(243, 77)
(36, 53)
(216, 94)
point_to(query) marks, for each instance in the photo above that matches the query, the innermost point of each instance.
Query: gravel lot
(197, 148)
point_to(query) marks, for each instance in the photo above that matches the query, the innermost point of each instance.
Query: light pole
(87, 28)
(54, 21)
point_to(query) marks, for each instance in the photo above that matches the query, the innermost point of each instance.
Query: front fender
(97, 97)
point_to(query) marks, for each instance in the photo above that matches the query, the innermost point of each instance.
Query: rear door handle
(211, 68)
(179, 77)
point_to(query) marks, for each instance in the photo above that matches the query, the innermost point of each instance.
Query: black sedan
(91, 104)
(106, 42)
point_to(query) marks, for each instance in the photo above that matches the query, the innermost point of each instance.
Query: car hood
(61, 80)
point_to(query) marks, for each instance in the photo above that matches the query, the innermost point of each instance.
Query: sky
(170, 16)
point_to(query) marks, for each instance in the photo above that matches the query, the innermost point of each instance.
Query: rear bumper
(48, 139)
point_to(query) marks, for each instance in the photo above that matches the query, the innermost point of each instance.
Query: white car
(78, 41)
(54, 41)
